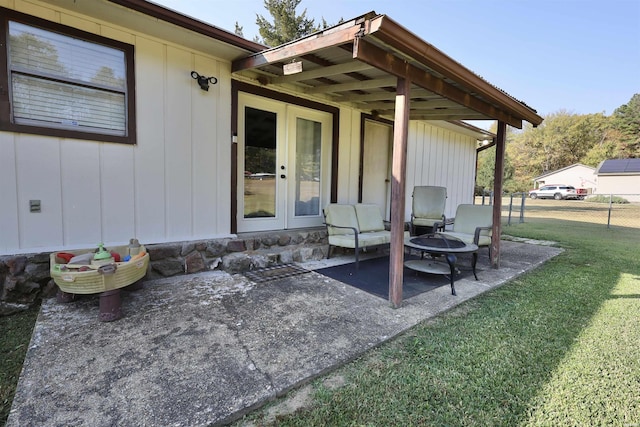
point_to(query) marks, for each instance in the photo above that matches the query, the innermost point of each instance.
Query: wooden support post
(398, 172)
(497, 194)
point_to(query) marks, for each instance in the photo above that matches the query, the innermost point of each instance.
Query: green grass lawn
(559, 346)
(15, 333)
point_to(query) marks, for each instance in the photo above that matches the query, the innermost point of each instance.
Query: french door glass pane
(308, 155)
(259, 163)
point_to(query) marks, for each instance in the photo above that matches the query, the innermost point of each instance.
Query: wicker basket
(94, 281)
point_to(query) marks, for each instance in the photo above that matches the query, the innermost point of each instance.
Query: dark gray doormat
(273, 273)
(373, 277)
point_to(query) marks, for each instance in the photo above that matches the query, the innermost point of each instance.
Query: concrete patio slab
(205, 349)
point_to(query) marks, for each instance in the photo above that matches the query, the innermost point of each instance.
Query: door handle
(283, 176)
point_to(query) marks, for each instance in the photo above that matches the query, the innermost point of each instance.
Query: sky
(576, 56)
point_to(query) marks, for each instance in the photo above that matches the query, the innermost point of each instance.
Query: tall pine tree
(286, 26)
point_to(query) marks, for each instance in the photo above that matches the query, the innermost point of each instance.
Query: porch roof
(359, 61)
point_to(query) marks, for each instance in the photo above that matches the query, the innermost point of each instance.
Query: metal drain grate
(273, 273)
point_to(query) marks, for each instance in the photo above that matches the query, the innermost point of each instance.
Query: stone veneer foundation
(25, 278)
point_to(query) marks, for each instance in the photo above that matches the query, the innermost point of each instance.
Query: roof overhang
(165, 24)
(359, 62)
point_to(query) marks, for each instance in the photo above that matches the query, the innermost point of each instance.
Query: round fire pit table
(438, 244)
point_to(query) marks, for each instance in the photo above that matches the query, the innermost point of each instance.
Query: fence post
(609, 213)
(522, 208)
(510, 208)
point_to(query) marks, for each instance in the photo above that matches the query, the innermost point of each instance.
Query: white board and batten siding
(349, 155)
(440, 157)
(168, 187)
(435, 156)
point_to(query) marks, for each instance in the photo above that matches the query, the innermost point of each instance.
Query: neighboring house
(619, 177)
(577, 175)
(105, 135)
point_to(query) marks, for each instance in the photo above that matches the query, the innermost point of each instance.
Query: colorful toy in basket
(100, 271)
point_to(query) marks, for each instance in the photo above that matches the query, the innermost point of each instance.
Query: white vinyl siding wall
(172, 186)
(435, 156)
(440, 157)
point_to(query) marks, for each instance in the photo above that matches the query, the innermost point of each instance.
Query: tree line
(563, 139)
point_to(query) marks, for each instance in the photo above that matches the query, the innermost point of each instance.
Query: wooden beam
(444, 115)
(432, 105)
(389, 96)
(386, 61)
(344, 87)
(294, 50)
(332, 70)
(438, 115)
(497, 191)
(424, 117)
(415, 105)
(427, 116)
(398, 173)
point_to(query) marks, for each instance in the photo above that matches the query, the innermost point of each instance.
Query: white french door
(283, 164)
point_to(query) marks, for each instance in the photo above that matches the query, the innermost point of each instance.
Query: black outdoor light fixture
(203, 81)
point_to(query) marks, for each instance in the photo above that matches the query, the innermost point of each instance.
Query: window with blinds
(69, 84)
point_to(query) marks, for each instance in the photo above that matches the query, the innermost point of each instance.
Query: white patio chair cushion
(468, 217)
(426, 222)
(369, 218)
(371, 238)
(428, 204)
(340, 215)
(468, 238)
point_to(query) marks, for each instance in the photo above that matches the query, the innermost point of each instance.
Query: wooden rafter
(345, 87)
(389, 96)
(416, 105)
(332, 70)
(296, 49)
(444, 116)
(377, 57)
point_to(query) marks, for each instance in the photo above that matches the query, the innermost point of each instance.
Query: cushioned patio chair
(427, 207)
(355, 226)
(472, 224)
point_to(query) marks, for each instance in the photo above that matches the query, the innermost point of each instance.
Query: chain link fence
(612, 210)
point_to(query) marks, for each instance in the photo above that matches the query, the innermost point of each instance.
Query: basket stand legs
(64, 297)
(110, 306)
(135, 286)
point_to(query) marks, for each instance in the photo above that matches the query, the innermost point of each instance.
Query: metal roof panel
(620, 166)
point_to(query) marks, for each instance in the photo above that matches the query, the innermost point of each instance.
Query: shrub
(605, 199)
